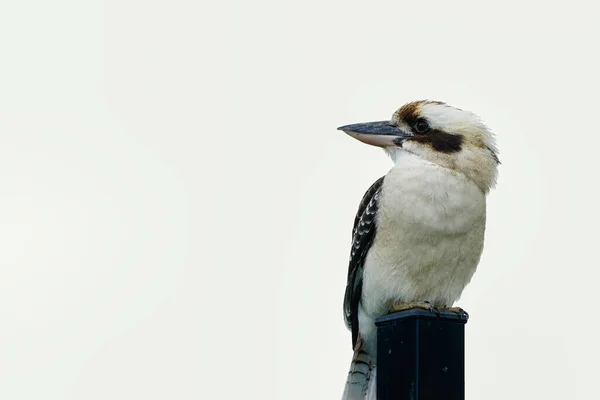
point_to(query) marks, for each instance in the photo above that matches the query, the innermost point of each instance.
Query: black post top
(417, 312)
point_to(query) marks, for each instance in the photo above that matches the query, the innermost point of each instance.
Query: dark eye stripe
(440, 141)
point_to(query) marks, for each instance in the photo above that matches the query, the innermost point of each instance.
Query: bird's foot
(456, 310)
(423, 305)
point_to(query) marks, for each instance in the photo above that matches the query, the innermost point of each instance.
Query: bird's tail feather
(360, 384)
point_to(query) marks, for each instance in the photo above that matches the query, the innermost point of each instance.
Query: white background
(176, 202)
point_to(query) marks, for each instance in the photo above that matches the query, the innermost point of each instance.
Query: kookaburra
(418, 234)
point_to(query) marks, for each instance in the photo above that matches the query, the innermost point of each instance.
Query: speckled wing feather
(363, 233)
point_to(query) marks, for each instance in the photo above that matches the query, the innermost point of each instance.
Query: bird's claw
(427, 306)
(457, 310)
(423, 305)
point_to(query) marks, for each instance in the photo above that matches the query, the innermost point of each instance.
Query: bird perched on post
(418, 233)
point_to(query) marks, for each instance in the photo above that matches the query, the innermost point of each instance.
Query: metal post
(421, 356)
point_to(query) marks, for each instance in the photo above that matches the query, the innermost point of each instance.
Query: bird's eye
(421, 126)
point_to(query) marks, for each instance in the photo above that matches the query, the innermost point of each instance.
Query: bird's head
(436, 132)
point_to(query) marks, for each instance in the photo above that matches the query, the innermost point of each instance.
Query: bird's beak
(380, 133)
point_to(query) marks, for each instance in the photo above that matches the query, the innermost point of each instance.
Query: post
(421, 356)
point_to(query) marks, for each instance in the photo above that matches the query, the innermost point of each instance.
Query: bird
(418, 234)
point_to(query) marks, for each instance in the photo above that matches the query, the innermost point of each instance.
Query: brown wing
(363, 233)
